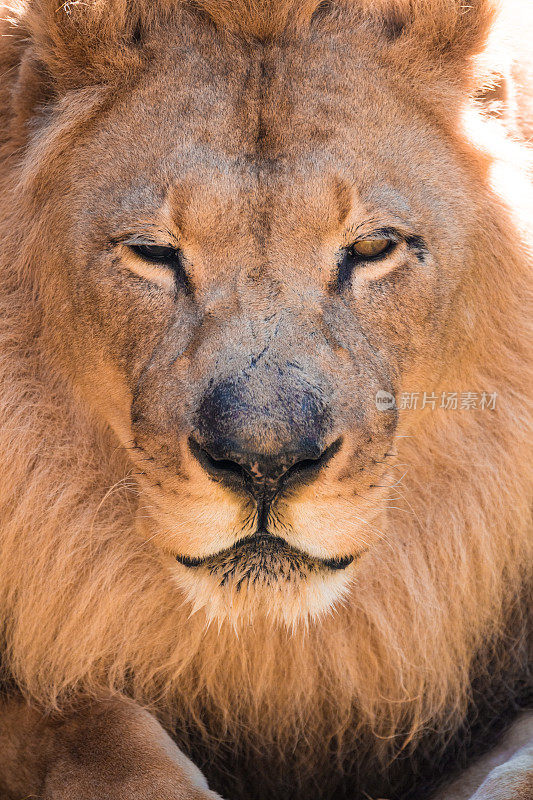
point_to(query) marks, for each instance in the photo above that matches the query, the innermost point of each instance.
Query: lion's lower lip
(267, 546)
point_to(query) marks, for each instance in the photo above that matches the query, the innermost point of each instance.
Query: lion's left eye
(371, 248)
(364, 251)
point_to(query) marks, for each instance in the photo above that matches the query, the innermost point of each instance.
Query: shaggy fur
(88, 602)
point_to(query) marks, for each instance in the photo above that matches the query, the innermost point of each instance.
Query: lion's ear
(434, 37)
(49, 47)
(77, 43)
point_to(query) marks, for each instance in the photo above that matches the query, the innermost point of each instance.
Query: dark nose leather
(262, 475)
(260, 438)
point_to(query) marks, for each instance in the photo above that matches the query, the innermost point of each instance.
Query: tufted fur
(86, 602)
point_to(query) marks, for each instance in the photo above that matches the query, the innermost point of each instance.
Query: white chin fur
(288, 602)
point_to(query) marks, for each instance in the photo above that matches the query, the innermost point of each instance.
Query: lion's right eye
(157, 254)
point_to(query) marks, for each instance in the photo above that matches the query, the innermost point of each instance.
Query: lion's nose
(259, 436)
(262, 475)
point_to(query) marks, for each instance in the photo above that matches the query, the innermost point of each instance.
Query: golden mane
(86, 605)
(263, 18)
(91, 38)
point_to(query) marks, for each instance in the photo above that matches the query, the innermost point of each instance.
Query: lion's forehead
(286, 117)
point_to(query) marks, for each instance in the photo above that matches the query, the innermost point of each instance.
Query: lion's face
(258, 240)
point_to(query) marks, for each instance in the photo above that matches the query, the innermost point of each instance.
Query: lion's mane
(86, 605)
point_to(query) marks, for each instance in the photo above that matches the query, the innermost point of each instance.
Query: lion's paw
(513, 780)
(126, 790)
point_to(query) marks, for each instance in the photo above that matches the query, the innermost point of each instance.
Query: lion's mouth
(263, 556)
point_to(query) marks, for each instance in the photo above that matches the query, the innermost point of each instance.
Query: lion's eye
(364, 251)
(164, 256)
(157, 254)
(371, 248)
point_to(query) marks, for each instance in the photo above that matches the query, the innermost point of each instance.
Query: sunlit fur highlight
(86, 604)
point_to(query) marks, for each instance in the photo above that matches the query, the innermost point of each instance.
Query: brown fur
(88, 594)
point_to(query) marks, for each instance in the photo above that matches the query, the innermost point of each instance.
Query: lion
(265, 401)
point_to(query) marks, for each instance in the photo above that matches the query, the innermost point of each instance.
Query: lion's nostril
(259, 474)
(216, 467)
(305, 470)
